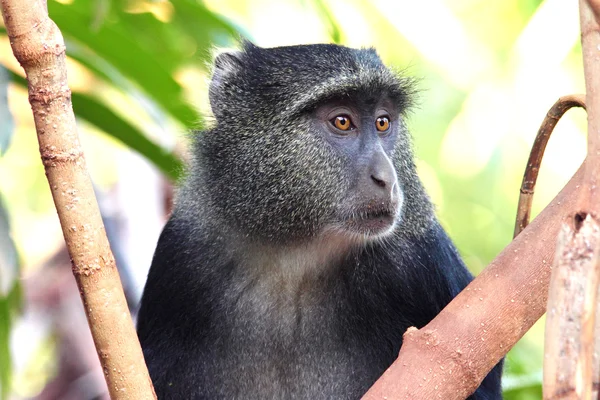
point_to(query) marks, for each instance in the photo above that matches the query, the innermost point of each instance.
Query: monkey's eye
(342, 122)
(382, 124)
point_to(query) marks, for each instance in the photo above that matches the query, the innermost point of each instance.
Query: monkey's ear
(226, 65)
(227, 62)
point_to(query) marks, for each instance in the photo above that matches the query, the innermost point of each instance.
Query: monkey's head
(309, 140)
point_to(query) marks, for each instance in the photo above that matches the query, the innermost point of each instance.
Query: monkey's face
(308, 140)
(362, 132)
(326, 171)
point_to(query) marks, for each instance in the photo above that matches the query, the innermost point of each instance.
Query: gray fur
(255, 159)
(264, 285)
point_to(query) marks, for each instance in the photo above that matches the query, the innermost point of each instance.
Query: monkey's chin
(368, 221)
(372, 227)
(369, 226)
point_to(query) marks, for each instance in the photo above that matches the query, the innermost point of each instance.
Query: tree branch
(449, 357)
(572, 304)
(569, 338)
(38, 46)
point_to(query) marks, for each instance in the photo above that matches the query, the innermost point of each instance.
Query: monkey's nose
(382, 171)
(378, 181)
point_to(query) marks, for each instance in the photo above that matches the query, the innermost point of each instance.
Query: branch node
(578, 219)
(50, 157)
(46, 97)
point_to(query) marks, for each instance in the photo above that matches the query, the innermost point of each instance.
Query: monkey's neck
(295, 266)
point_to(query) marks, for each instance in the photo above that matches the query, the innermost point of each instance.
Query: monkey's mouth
(372, 220)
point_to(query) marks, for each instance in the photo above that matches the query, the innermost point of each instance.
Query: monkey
(302, 243)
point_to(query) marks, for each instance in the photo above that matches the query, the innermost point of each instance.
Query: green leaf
(105, 119)
(115, 44)
(205, 28)
(101, 11)
(8, 308)
(99, 115)
(104, 70)
(335, 32)
(5, 358)
(158, 39)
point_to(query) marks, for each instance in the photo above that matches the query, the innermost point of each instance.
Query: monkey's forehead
(302, 76)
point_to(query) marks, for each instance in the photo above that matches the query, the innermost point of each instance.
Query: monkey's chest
(319, 368)
(298, 350)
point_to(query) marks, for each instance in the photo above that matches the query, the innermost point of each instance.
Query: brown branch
(595, 5)
(590, 43)
(532, 170)
(38, 46)
(569, 344)
(450, 356)
(572, 302)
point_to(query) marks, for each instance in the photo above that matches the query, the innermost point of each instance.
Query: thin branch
(532, 170)
(590, 43)
(38, 46)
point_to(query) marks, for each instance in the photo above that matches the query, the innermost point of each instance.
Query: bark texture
(449, 357)
(38, 46)
(569, 360)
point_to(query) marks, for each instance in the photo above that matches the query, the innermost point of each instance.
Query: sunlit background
(487, 71)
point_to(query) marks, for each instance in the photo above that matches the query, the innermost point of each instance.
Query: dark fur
(247, 297)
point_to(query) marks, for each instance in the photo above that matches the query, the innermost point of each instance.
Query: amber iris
(383, 124)
(342, 122)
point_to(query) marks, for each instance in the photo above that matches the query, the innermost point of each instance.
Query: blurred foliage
(488, 73)
(7, 123)
(10, 289)
(10, 298)
(9, 306)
